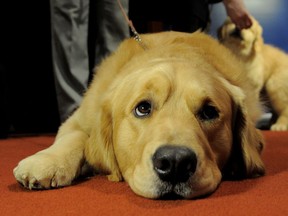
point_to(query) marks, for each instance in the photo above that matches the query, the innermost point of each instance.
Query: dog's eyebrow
(205, 101)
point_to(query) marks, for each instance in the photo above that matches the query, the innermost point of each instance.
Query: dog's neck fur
(254, 67)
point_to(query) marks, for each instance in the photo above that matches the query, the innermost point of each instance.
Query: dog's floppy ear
(100, 150)
(245, 160)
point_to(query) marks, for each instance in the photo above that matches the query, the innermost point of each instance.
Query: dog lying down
(172, 120)
(266, 66)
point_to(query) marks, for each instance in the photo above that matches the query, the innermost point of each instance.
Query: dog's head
(173, 121)
(244, 43)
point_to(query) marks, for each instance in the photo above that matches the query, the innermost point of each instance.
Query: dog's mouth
(171, 196)
(169, 191)
(236, 33)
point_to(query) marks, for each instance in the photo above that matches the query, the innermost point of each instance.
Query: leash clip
(137, 38)
(136, 35)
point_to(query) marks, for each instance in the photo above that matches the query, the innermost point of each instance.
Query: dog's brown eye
(143, 109)
(208, 112)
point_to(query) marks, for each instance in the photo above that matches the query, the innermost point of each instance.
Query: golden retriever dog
(170, 120)
(265, 66)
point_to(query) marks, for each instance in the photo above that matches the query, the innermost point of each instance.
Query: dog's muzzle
(174, 164)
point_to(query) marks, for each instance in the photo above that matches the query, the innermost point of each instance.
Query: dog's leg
(281, 123)
(57, 165)
(277, 91)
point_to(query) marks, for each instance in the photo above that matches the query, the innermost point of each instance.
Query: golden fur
(185, 92)
(265, 66)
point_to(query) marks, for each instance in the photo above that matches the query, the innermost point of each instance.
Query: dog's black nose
(174, 163)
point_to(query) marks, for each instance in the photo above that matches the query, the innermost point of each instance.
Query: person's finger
(247, 23)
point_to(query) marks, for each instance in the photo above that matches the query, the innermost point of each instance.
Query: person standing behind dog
(183, 15)
(70, 25)
(235, 9)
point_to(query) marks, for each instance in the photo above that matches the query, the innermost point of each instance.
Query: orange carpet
(267, 195)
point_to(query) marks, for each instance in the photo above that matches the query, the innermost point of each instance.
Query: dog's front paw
(279, 127)
(44, 171)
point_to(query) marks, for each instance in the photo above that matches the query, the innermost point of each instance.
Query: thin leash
(136, 35)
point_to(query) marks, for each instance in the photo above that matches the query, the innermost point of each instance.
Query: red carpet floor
(267, 195)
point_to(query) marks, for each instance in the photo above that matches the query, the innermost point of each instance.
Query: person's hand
(238, 13)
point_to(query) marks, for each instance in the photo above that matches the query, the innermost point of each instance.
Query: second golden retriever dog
(171, 120)
(265, 66)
